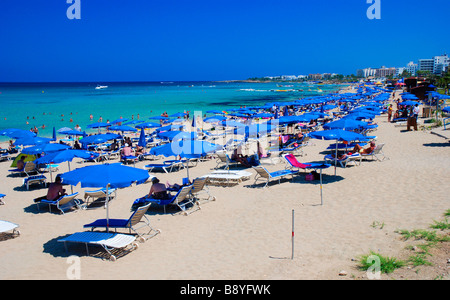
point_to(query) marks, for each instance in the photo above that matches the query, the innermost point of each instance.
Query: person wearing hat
(389, 112)
(158, 190)
(126, 151)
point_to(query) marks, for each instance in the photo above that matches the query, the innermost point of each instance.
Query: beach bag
(309, 177)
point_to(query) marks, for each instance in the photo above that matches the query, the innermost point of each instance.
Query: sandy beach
(246, 233)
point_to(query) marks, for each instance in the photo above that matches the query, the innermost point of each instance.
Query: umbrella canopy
(122, 128)
(106, 176)
(346, 124)
(99, 138)
(186, 148)
(32, 140)
(142, 142)
(65, 155)
(177, 135)
(178, 114)
(17, 133)
(113, 175)
(45, 148)
(446, 109)
(148, 125)
(98, 125)
(214, 119)
(409, 102)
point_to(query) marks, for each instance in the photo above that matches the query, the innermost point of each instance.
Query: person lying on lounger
(357, 149)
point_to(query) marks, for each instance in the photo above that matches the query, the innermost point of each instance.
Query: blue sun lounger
(167, 166)
(108, 241)
(262, 173)
(137, 218)
(64, 203)
(181, 199)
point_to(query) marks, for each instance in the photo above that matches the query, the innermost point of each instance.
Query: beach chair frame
(263, 174)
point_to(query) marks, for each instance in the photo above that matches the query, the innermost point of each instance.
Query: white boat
(100, 87)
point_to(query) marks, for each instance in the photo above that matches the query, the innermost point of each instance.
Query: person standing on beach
(390, 113)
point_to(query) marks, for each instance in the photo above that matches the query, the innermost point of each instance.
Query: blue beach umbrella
(98, 125)
(446, 109)
(148, 125)
(142, 141)
(99, 138)
(122, 128)
(54, 134)
(106, 176)
(409, 103)
(186, 149)
(177, 135)
(65, 155)
(45, 148)
(120, 120)
(346, 124)
(32, 140)
(17, 133)
(338, 135)
(214, 119)
(178, 114)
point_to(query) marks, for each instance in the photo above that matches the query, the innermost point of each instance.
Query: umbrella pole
(335, 159)
(71, 186)
(321, 198)
(107, 208)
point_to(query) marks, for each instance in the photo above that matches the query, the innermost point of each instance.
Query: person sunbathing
(361, 150)
(158, 190)
(357, 149)
(55, 190)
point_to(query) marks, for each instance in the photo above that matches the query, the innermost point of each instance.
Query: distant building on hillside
(426, 65)
(367, 72)
(412, 68)
(441, 62)
(385, 72)
(315, 76)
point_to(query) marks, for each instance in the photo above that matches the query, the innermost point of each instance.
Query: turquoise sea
(26, 105)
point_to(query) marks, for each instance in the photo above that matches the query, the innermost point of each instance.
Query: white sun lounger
(7, 226)
(108, 241)
(227, 178)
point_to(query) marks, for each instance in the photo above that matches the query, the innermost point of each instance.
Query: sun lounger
(224, 159)
(180, 200)
(128, 159)
(95, 194)
(5, 156)
(263, 174)
(199, 186)
(167, 166)
(63, 204)
(377, 153)
(28, 169)
(294, 163)
(226, 178)
(136, 221)
(34, 179)
(108, 241)
(355, 158)
(7, 226)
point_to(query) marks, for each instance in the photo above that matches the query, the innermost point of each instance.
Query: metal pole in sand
(292, 255)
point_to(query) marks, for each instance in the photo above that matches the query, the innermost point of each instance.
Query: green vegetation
(421, 252)
(387, 264)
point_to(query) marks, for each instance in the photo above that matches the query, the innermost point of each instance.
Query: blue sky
(170, 40)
